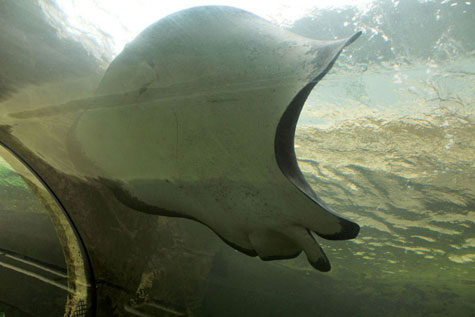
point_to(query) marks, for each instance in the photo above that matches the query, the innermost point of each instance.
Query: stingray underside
(213, 95)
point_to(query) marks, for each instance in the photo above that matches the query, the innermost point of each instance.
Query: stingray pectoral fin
(349, 229)
(285, 153)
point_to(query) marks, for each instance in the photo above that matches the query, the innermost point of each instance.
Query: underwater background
(387, 139)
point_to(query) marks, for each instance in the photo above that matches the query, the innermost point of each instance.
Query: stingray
(196, 118)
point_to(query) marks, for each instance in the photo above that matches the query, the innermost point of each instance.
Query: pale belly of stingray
(216, 165)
